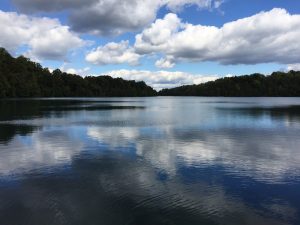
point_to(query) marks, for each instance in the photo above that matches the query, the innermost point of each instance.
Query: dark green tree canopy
(255, 85)
(19, 77)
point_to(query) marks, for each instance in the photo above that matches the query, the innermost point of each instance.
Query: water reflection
(42, 150)
(22, 117)
(289, 113)
(262, 155)
(150, 161)
(35, 108)
(9, 131)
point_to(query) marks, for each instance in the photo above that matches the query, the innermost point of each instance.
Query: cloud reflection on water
(239, 151)
(40, 150)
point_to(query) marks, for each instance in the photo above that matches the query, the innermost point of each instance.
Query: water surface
(150, 161)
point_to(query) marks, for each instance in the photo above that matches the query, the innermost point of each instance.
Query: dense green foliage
(19, 77)
(277, 84)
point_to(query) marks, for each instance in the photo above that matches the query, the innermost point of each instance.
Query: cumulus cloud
(176, 5)
(156, 36)
(113, 53)
(295, 67)
(165, 63)
(110, 17)
(46, 38)
(31, 6)
(265, 37)
(82, 72)
(113, 17)
(162, 79)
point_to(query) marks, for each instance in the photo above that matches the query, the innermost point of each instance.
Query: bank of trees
(20, 77)
(276, 84)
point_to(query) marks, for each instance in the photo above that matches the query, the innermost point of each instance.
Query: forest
(20, 77)
(255, 85)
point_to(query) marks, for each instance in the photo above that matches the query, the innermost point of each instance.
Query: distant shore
(22, 78)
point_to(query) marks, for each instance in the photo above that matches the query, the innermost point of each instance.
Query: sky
(165, 43)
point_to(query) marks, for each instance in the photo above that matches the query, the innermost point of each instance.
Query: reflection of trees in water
(24, 110)
(8, 131)
(291, 113)
(12, 110)
(15, 109)
(27, 109)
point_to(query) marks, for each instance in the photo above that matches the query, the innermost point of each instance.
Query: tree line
(20, 77)
(255, 85)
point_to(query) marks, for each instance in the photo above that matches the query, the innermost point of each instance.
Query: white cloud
(176, 5)
(265, 37)
(82, 72)
(113, 17)
(113, 53)
(217, 4)
(106, 17)
(165, 63)
(162, 79)
(295, 67)
(156, 36)
(46, 38)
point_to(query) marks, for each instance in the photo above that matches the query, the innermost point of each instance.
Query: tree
(19, 77)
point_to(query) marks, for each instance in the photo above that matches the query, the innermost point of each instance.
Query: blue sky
(163, 42)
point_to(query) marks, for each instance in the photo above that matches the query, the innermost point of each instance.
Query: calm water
(138, 161)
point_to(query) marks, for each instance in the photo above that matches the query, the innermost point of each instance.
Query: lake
(150, 161)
